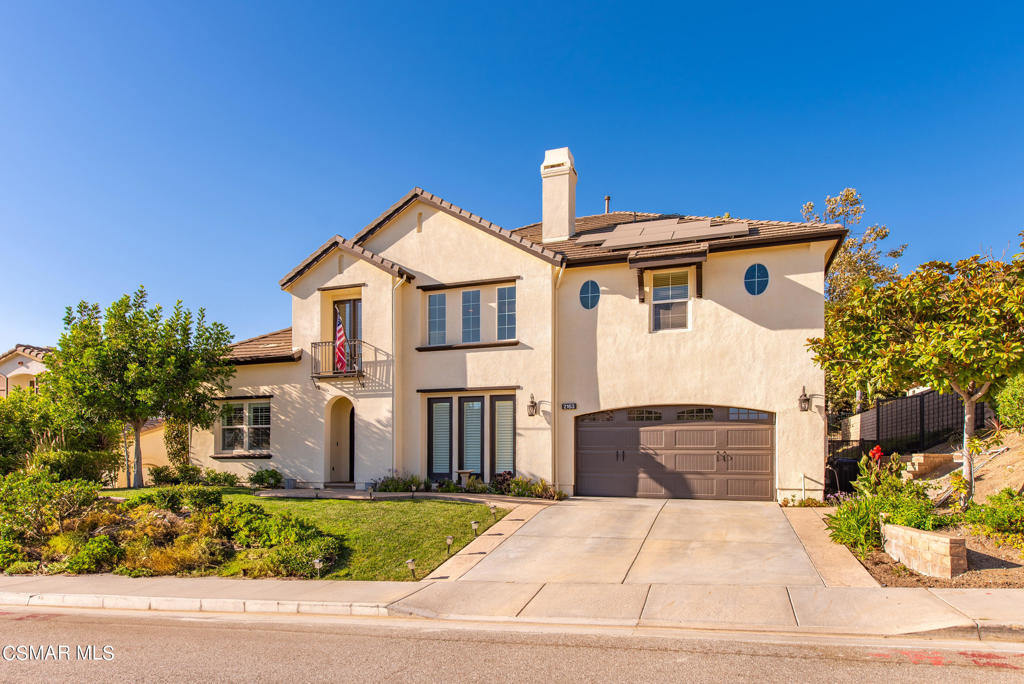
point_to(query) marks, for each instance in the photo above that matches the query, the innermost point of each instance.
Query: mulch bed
(988, 566)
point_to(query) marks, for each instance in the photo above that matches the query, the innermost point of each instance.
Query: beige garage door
(686, 452)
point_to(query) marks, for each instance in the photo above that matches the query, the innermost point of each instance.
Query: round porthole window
(756, 279)
(590, 292)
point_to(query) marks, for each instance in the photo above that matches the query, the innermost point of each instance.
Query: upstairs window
(507, 313)
(670, 301)
(756, 279)
(471, 316)
(437, 321)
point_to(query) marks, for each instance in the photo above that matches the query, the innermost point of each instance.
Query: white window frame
(441, 297)
(245, 427)
(687, 300)
(509, 303)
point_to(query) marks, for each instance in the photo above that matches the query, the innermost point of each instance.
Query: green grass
(382, 535)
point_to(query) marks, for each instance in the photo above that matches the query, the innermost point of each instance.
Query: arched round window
(756, 279)
(589, 294)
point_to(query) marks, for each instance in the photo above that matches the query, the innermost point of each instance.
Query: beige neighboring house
(624, 353)
(20, 366)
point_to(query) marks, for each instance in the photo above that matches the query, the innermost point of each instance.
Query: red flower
(876, 453)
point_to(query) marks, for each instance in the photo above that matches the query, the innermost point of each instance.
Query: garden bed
(988, 566)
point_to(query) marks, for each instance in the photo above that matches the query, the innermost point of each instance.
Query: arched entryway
(341, 443)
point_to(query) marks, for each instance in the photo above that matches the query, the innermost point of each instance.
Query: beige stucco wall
(740, 350)
(154, 453)
(440, 248)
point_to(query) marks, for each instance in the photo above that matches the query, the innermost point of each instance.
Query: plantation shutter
(504, 434)
(440, 437)
(472, 434)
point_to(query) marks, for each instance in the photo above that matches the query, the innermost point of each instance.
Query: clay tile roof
(37, 353)
(419, 194)
(761, 233)
(270, 348)
(350, 247)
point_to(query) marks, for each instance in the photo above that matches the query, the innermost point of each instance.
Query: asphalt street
(143, 648)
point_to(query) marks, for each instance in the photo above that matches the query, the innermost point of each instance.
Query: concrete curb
(191, 605)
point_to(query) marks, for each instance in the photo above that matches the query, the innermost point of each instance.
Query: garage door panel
(702, 459)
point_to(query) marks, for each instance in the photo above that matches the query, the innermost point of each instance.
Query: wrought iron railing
(324, 359)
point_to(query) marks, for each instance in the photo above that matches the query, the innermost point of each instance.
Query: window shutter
(473, 435)
(441, 431)
(504, 436)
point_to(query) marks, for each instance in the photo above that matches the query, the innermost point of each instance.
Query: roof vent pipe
(607, 203)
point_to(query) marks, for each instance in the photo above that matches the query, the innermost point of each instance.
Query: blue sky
(204, 149)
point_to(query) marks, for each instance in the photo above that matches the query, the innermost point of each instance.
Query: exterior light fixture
(318, 563)
(411, 564)
(805, 401)
(448, 540)
(370, 490)
(476, 525)
(531, 408)
(494, 512)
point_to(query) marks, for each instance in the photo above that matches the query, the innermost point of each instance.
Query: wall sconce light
(805, 401)
(448, 540)
(531, 408)
(476, 525)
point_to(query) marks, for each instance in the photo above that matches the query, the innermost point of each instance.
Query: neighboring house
(154, 452)
(624, 353)
(20, 366)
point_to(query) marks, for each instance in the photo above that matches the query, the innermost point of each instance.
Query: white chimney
(558, 183)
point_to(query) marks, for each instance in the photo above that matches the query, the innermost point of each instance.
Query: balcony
(324, 363)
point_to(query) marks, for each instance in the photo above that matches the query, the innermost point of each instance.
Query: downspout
(394, 378)
(554, 378)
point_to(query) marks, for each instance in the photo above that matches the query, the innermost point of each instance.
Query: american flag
(340, 360)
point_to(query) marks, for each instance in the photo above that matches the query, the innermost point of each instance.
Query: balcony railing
(325, 362)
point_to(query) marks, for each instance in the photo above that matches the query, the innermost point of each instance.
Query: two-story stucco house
(623, 353)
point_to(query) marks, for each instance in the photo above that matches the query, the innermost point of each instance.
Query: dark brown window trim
(470, 345)
(700, 281)
(243, 397)
(668, 262)
(452, 390)
(249, 456)
(329, 288)
(436, 475)
(467, 283)
(462, 434)
(494, 437)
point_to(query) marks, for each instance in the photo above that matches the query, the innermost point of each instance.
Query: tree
(130, 363)
(860, 259)
(953, 327)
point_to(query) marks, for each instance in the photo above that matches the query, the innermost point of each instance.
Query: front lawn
(379, 536)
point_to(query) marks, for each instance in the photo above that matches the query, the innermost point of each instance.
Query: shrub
(188, 553)
(99, 553)
(189, 474)
(219, 478)
(64, 545)
(855, 525)
(193, 497)
(1004, 512)
(34, 502)
(520, 486)
(395, 483)
(163, 475)
(448, 487)
(267, 478)
(93, 466)
(22, 568)
(1009, 402)
(296, 560)
(475, 485)
(250, 525)
(10, 553)
(502, 482)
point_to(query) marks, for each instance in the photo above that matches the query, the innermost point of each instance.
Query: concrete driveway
(645, 541)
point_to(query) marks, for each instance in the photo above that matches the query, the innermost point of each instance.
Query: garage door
(688, 452)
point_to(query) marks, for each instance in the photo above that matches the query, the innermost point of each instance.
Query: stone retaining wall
(928, 553)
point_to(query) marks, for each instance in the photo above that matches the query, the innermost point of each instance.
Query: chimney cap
(557, 162)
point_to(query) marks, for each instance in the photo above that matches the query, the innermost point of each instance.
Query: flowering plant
(876, 453)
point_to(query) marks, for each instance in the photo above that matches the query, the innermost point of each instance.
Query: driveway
(645, 541)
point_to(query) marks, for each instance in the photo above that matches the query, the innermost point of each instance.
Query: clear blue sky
(204, 149)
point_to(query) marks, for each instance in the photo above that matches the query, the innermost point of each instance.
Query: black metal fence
(901, 424)
(324, 359)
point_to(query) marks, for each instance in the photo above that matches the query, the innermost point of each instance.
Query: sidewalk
(945, 613)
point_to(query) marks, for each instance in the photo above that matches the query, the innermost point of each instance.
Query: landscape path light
(476, 526)
(318, 563)
(494, 512)
(411, 564)
(370, 490)
(448, 540)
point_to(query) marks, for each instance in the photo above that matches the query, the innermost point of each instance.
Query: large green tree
(861, 258)
(131, 363)
(953, 327)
